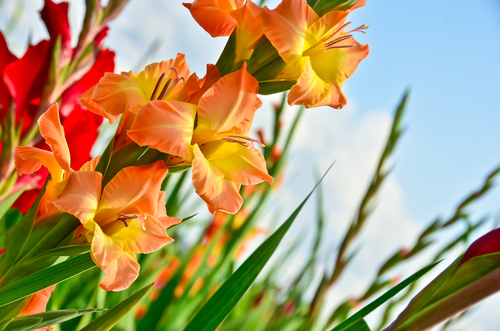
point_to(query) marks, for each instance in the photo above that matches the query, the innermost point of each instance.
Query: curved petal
(240, 164)
(143, 235)
(228, 106)
(104, 249)
(121, 273)
(166, 126)
(53, 133)
(91, 165)
(310, 90)
(286, 27)
(324, 27)
(30, 159)
(81, 195)
(38, 302)
(86, 99)
(115, 94)
(249, 29)
(132, 190)
(210, 184)
(148, 78)
(213, 16)
(161, 213)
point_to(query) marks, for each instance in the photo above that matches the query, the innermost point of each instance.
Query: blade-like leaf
(5, 206)
(344, 326)
(45, 278)
(107, 320)
(223, 301)
(183, 220)
(29, 323)
(360, 325)
(47, 318)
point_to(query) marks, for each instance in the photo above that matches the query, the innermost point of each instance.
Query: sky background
(445, 52)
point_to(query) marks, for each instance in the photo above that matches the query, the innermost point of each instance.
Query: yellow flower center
(335, 39)
(169, 85)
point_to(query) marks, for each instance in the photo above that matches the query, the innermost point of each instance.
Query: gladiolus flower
(222, 154)
(129, 217)
(318, 52)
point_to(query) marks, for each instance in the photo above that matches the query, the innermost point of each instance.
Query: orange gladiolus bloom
(220, 18)
(30, 159)
(318, 51)
(128, 217)
(213, 136)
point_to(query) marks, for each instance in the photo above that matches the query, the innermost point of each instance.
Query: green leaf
(103, 163)
(266, 88)
(107, 320)
(49, 257)
(183, 220)
(360, 325)
(45, 278)
(321, 7)
(5, 206)
(223, 301)
(344, 326)
(28, 323)
(47, 318)
(19, 235)
(226, 60)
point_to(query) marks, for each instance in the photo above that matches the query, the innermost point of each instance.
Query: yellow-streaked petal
(86, 99)
(136, 239)
(132, 190)
(166, 126)
(324, 27)
(210, 184)
(115, 94)
(248, 29)
(228, 106)
(53, 133)
(29, 159)
(104, 249)
(240, 164)
(310, 90)
(81, 195)
(286, 27)
(91, 165)
(121, 273)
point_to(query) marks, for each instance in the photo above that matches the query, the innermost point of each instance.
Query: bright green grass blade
(344, 326)
(107, 320)
(223, 301)
(45, 278)
(5, 206)
(47, 318)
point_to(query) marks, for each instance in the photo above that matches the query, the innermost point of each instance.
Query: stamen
(165, 88)
(142, 220)
(360, 29)
(157, 86)
(339, 30)
(336, 41)
(340, 46)
(243, 141)
(174, 69)
(124, 217)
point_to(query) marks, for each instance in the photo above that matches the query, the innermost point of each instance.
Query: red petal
(105, 62)
(489, 243)
(25, 78)
(55, 17)
(6, 57)
(100, 36)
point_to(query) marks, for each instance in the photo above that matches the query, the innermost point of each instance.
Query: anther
(360, 29)
(157, 86)
(174, 69)
(165, 88)
(336, 41)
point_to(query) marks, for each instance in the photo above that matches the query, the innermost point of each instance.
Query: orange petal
(115, 94)
(210, 184)
(228, 106)
(104, 249)
(91, 165)
(310, 90)
(38, 302)
(161, 213)
(324, 27)
(132, 190)
(249, 29)
(86, 99)
(30, 159)
(211, 77)
(166, 126)
(286, 27)
(81, 195)
(121, 273)
(213, 15)
(53, 133)
(240, 164)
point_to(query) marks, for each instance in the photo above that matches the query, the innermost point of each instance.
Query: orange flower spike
(126, 219)
(214, 15)
(318, 49)
(115, 94)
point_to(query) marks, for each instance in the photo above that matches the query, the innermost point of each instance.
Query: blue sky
(445, 52)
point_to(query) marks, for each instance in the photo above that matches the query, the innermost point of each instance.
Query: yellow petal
(310, 90)
(166, 126)
(91, 165)
(228, 106)
(81, 195)
(104, 249)
(210, 184)
(53, 133)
